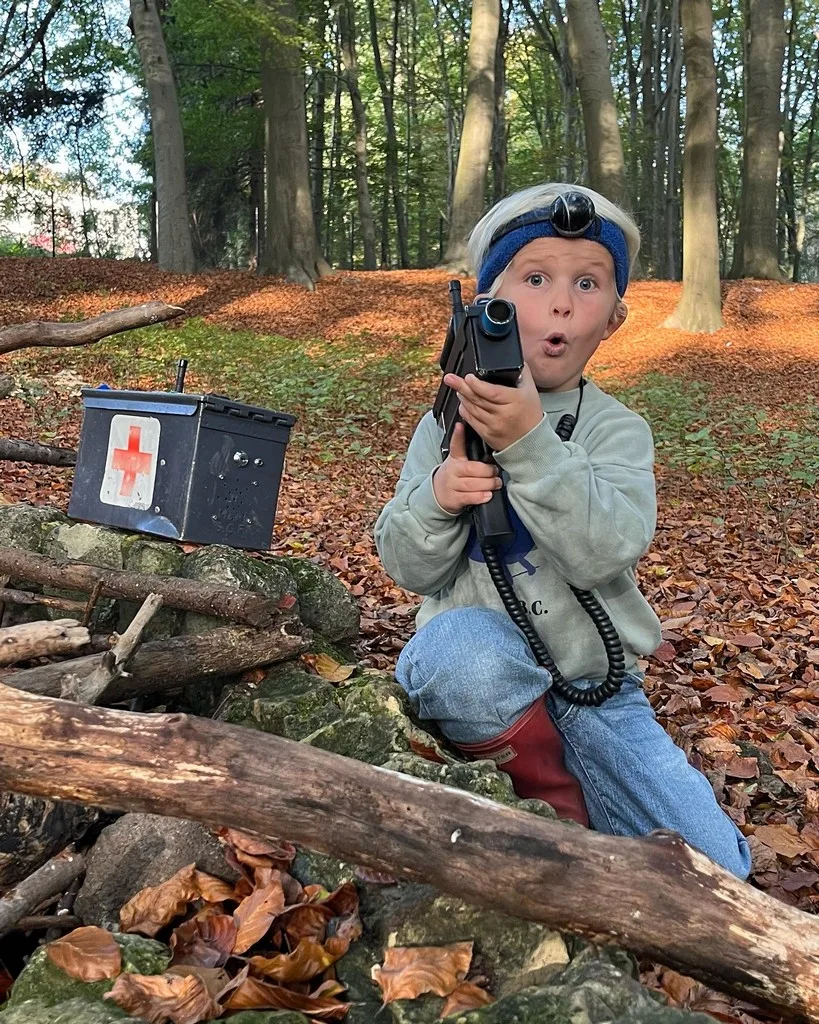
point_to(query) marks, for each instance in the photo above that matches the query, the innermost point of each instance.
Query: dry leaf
(306, 961)
(466, 997)
(152, 908)
(207, 939)
(215, 979)
(212, 889)
(410, 971)
(255, 914)
(158, 998)
(307, 921)
(259, 995)
(726, 693)
(88, 954)
(742, 767)
(784, 839)
(328, 668)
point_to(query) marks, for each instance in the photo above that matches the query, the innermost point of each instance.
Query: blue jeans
(471, 670)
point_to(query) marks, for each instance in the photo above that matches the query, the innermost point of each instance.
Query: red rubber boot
(531, 752)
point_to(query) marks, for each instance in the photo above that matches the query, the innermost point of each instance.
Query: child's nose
(561, 303)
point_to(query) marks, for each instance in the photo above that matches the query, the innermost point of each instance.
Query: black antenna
(181, 370)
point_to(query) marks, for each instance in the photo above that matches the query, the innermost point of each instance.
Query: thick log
(191, 595)
(37, 639)
(65, 604)
(655, 896)
(46, 881)
(29, 451)
(161, 665)
(92, 688)
(62, 335)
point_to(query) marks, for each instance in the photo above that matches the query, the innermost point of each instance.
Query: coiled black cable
(595, 695)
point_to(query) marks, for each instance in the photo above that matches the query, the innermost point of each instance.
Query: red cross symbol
(131, 461)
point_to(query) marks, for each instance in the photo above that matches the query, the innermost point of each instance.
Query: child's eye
(587, 284)
(536, 280)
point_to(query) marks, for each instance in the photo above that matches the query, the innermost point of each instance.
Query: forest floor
(732, 572)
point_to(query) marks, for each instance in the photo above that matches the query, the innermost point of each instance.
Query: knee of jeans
(736, 858)
(465, 650)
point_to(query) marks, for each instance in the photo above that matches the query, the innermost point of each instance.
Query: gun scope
(497, 316)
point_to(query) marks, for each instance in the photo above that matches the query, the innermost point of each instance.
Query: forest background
(226, 145)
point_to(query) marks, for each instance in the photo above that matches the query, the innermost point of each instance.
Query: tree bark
(655, 896)
(291, 243)
(700, 307)
(32, 830)
(190, 595)
(44, 332)
(469, 193)
(163, 665)
(49, 880)
(756, 250)
(12, 450)
(346, 26)
(175, 242)
(392, 183)
(38, 639)
(65, 604)
(590, 58)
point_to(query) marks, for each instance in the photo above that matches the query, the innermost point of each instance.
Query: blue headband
(501, 253)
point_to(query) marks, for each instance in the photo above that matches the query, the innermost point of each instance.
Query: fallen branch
(37, 639)
(162, 665)
(43, 454)
(65, 604)
(655, 896)
(46, 881)
(41, 922)
(191, 595)
(62, 335)
(112, 664)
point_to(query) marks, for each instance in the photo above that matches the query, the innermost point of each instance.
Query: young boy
(584, 512)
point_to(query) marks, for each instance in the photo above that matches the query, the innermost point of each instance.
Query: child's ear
(616, 320)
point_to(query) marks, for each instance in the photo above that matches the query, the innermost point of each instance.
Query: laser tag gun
(482, 339)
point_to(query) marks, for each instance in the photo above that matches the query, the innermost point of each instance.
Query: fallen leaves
(164, 997)
(88, 954)
(408, 972)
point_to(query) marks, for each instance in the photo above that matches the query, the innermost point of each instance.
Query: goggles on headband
(571, 215)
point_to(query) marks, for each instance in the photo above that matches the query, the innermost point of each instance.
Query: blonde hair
(535, 198)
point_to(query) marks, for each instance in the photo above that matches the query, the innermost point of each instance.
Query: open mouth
(555, 344)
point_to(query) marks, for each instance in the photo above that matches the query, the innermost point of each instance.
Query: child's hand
(461, 482)
(501, 415)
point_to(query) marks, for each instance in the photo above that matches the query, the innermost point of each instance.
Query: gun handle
(491, 519)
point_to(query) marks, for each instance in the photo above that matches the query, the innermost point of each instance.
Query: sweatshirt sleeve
(419, 543)
(591, 509)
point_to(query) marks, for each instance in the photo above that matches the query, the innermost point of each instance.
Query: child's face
(566, 301)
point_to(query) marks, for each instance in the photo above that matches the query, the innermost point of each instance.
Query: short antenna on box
(181, 370)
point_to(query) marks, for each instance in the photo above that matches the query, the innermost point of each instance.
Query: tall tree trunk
(317, 132)
(756, 250)
(291, 245)
(590, 57)
(808, 169)
(469, 195)
(416, 155)
(392, 183)
(256, 207)
(499, 136)
(700, 306)
(346, 27)
(648, 184)
(671, 126)
(174, 242)
(786, 234)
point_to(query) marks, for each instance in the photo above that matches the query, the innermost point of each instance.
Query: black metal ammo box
(199, 468)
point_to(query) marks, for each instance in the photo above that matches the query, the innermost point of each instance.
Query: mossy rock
(479, 777)
(41, 981)
(372, 738)
(326, 604)
(287, 702)
(27, 526)
(159, 558)
(311, 868)
(93, 545)
(72, 1011)
(230, 568)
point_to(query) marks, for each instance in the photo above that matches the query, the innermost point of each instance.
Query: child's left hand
(500, 414)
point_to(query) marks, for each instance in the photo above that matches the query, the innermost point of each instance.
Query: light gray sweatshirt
(584, 512)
